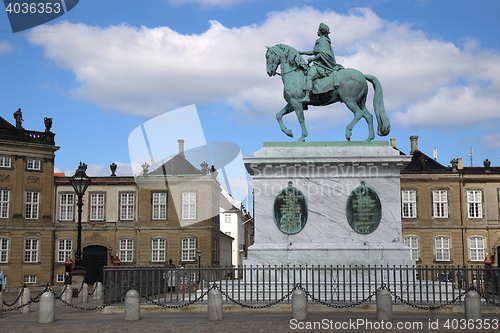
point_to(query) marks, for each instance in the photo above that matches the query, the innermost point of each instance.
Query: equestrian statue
(323, 83)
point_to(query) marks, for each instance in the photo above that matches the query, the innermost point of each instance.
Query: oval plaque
(290, 210)
(364, 209)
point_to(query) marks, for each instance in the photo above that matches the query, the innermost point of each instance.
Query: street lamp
(199, 266)
(80, 181)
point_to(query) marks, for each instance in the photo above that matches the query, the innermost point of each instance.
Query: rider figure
(324, 61)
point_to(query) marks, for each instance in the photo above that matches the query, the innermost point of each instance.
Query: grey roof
(177, 165)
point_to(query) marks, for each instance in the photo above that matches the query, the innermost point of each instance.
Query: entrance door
(95, 257)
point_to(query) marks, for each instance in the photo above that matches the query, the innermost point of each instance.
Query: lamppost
(80, 182)
(199, 266)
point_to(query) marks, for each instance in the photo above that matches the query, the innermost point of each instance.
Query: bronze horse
(352, 92)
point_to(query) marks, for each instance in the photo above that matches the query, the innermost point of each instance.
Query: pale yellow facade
(456, 212)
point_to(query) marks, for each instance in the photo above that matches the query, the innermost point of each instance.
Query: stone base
(327, 173)
(329, 255)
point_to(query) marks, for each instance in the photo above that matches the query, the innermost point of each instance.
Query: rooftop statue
(324, 83)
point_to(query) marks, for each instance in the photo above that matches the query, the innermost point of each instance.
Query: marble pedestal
(326, 173)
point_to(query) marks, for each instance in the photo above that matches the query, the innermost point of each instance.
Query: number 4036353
(33, 8)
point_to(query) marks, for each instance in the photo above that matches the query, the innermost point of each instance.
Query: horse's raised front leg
(279, 116)
(300, 116)
(358, 113)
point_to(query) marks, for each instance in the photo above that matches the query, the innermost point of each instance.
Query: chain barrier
(177, 306)
(342, 306)
(214, 286)
(486, 298)
(17, 299)
(93, 289)
(440, 306)
(257, 306)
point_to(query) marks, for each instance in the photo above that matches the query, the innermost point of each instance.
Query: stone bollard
(472, 305)
(25, 298)
(47, 312)
(299, 305)
(132, 307)
(214, 305)
(98, 291)
(384, 305)
(1, 304)
(67, 296)
(83, 295)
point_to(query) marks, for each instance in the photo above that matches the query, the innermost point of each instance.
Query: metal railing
(326, 284)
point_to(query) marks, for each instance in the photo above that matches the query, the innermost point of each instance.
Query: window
(5, 162)
(159, 206)
(96, 206)
(412, 243)
(227, 218)
(188, 249)
(30, 278)
(127, 206)
(31, 250)
(4, 203)
(126, 250)
(60, 278)
(4, 250)
(474, 204)
(64, 250)
(32, 202)
(476, 247)
(440, 203)
(158, 249)
(442, 246)
(66, 204)
(33, 164)
(189, 205)
(409, 203)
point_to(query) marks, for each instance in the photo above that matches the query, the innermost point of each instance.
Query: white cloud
(149, 71)
(5, 48)
(491, 141)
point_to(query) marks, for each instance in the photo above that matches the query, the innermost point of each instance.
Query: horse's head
(273, 60)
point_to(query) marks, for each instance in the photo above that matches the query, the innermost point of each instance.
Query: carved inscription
(363, 209)
(290, 210)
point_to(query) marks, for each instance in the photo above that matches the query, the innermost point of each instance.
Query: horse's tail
(384, 126)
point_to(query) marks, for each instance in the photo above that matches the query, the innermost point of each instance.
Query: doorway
(95, 257)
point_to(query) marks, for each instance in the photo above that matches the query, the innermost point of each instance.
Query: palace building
(169, 213)
(450, 214)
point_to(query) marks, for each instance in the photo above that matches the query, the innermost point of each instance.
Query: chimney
(181, 146)
(460, 164)
(414, 143)
(393, 143)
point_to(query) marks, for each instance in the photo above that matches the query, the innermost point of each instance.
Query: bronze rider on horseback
(324, 61)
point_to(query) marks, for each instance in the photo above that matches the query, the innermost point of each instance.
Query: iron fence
(422, 285)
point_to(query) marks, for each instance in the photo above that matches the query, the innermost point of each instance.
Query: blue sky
(108, 66)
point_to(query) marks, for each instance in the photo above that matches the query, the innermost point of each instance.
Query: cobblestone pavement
(69, 319)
